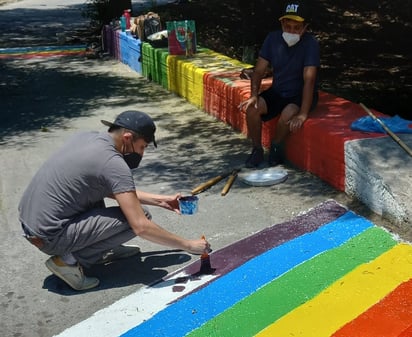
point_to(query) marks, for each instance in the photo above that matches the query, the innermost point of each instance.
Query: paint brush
(205, 266)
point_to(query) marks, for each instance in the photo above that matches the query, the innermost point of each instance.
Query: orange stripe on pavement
(390, 317)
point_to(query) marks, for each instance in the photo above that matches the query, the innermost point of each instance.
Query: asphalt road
(44, 101)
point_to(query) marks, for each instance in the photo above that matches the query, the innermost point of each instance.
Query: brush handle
(204, 255)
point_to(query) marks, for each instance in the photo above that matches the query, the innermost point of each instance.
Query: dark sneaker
(275, 155)
(255, 158)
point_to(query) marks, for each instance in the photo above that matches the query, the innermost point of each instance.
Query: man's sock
(69, 259)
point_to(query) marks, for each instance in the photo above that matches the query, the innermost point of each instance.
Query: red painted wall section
(318, 147)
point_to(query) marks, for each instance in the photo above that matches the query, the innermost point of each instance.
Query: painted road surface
(48, 51)
(328, 272)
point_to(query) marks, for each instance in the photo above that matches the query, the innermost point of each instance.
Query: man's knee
(288, 112)
(251, 111)
(257, 110)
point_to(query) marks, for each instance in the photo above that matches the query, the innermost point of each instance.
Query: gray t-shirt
(81, 174)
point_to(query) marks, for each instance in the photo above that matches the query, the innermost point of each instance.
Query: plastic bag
(396, 124)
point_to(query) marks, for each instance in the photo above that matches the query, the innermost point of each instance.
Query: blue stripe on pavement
(191, 312)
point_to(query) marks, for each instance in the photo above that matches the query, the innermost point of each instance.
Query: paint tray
(265, 177)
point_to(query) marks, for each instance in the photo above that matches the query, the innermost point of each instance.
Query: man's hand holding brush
(205, 266)
(200, 246)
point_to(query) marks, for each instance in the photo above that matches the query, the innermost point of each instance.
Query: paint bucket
(188, 205)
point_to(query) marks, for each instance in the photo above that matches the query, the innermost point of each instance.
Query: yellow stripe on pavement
(347, 298)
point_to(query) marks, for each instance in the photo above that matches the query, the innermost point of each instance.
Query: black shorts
(276, 103)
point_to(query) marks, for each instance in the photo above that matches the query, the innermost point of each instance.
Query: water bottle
(123, 23)
(126, 14)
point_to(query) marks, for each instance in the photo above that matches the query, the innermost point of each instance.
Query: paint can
(188, 205)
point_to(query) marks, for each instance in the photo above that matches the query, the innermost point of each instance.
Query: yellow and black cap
(294, 10)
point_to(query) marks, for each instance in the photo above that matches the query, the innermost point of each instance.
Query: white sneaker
(119, 252)
(72, 275)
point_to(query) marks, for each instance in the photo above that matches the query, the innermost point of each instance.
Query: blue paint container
(188, 205)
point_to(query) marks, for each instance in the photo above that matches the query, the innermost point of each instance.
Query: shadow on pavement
(22, 27)
(39, 94)
(144, 269)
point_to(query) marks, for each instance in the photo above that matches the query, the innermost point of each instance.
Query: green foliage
(98, 12)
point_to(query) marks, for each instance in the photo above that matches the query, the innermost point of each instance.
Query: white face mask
(291, 39)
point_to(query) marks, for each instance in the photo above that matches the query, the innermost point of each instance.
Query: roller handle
(229, 183)
(207, 184)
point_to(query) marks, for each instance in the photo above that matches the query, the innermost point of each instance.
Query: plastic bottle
(123, 23)
(126, 14)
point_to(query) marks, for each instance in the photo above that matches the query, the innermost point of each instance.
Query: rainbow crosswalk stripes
(329, 280)
(40, 51)
(327, 272)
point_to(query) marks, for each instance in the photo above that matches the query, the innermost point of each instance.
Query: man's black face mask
(132, 159)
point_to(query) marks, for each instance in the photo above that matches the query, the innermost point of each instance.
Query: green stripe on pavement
(282, 295)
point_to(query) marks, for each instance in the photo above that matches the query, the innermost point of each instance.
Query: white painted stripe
(134, 309)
